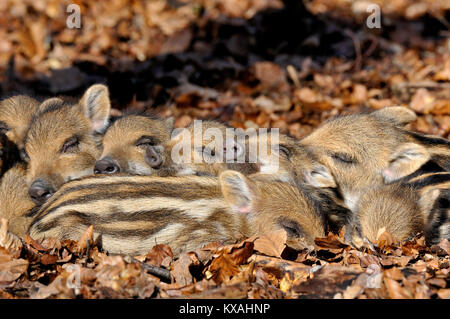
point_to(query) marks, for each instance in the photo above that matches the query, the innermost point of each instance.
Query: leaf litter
(204, 59)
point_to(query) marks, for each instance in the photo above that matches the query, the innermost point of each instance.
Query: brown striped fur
(15, 115)
(357, 148)
(178, 141)
(127, 140)
(403, 209)
(130, 214)
(60, 144)
(14, 200)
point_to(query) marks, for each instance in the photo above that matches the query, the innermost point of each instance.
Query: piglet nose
(40, 191)
(106, 166)
(153, 158)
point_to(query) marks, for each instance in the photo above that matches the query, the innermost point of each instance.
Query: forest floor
(249, 63)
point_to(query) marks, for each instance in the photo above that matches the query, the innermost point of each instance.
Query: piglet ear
(170, 121)
(408, 158)
(319, 176)
(238, 191)
(96, 106)
(48, 103)
(398, 115)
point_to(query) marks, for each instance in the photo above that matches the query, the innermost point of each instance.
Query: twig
(424, 84)
(292, 72)
(157, 271)
(357, 45)
(372, 47)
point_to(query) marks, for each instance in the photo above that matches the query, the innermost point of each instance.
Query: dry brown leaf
(222, 269)
(422, 101)
(10, 268)
(34, 244)
(269, 74)
(159, 255)
(48, 259)
(384, 239)
(238, 253)
(438, 282)
(445, 245)
(86, 239)
(307, 95)
(271, 244)
(444, 293)
(332, 241)
(441, 107)
(395, 290)
(180, 268)
(394, 273)
(9, 241)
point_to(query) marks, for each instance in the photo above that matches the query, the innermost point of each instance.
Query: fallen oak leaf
(394, 273)
(205, 253)
(48, 259)
(444, 245)
(10, 268)
(8, 240)
(332, 241)
(180, 268)
(238, 253)
(159, 255)
(222, 269)
(34, 244)
(438, 282)
(444, 293)
(51, 243)
(271, 244)
(395, 290)
(280, 267)
(385, 239)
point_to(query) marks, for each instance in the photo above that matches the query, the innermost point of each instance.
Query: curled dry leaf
(8, 240)
(332, 241)
(271, 244)
(159, 255)
(10, 268)
(222, 269)
(34, 244)
(395, 289)
(181, 268)
(85, 240)
(384, 239)
(238, 253)
(444, 244)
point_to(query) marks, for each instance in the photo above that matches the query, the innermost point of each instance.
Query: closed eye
(146, 141)
(284, 151)
(291, 227)
(343, 158)
(70, 145)
(200, 173)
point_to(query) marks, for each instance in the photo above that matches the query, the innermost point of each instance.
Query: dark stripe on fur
(150, 189)
(429, 140)
(434, 179)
